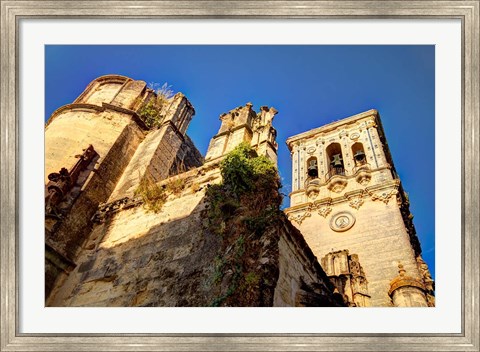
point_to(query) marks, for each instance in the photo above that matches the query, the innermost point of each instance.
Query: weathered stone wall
(145, 259)
(128, 234)
(114, 136)
(379, 248)
(105, 117)
(141, 258)
(188, 157)
(301, 281)
(153, 158)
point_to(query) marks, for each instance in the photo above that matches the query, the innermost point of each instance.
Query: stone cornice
(101, 79)
(373, 192)
(404, 281)
(331, 126)
(347, 177)
(93, 107)
(97, 108)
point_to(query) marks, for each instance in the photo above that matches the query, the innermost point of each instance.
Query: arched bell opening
(335, 159)
(359, 156)
(312, 167)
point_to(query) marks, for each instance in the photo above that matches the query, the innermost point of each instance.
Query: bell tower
(349, 204)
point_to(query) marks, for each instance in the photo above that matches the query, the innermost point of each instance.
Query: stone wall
(188, 157)
(378, 236)
(132, 226)
(301, 281)
(114, 138)
(136, 257)
(105, 118)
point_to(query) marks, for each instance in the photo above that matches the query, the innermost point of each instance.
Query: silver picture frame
(13, 11)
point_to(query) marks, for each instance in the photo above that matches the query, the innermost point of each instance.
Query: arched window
(359, 156)
(312, 167)
(335, 159)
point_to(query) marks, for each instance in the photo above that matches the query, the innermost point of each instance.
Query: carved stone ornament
(356, 203)
(311, 150)
(363, 175)
(384, 197)
(106, 210)
(299, 217)
(342, 221)
(313, 187)
(355, 136)
(324, 211)
(337, 183)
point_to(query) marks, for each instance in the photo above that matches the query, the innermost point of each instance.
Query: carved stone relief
(427, 280)
(356, 203)
(384, 197)
(342, 221)
(324, 210)
(61, 183)
(346, 273)
(337, 184)
(298, 218)
(355, 136)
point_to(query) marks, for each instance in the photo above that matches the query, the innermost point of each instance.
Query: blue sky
(309, 85)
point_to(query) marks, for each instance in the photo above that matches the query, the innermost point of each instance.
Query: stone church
(127, 211)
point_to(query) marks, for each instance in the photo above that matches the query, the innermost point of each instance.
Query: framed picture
(42, 40)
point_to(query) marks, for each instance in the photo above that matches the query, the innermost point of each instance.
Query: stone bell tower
(349, 204)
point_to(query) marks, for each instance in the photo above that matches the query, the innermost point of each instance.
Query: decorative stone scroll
(337, 183)
(354, 136)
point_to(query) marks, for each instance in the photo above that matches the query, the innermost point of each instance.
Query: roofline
(331, 126)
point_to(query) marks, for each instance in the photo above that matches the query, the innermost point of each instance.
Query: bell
(312, 168)
(337, 160)
(359, 155)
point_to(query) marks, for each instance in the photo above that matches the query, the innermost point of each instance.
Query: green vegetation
(152, 195)
(240, 210)
(176, 186)
(151, 112)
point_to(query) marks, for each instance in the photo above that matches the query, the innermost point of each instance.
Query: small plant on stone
(152, 195)
(151, 112)
(176, 186)
(195, 187)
